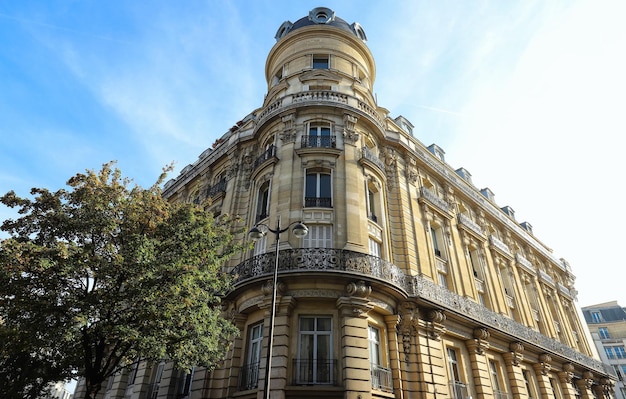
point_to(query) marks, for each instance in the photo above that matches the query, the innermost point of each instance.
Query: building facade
(411, 281)
(607, 324)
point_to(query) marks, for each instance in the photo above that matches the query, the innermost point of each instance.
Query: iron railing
(249, 376)
(381, 378)
(315, 371)
(318, 202)
(313, 141)
(267, 154)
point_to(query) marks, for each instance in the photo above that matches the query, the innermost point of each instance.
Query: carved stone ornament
(359, 289)
(435, 326)
(406, 326)
(411, 169)
(481, 339)
(608, 386)
(568, 373)
(350, 135)
(269, 284)
(517, 350)
(588, 379)
(544, 363)
(288, 135)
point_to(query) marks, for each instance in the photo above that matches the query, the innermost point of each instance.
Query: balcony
(381, 378)
(433, 199)
(500, 394)
(267, 155)
(499, 245)
(322, 259)
(317, 202)
(313, 141)
(216, 189)
(320, 97)
(315, 372)
(465, 221)
(248, 377)
(367, 155)
(458, 390)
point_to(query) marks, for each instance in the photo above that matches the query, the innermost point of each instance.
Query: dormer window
(322, 15)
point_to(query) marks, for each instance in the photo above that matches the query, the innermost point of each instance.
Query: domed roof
(321, 16)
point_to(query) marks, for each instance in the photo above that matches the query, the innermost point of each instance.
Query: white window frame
(315, 378)
(319, 236)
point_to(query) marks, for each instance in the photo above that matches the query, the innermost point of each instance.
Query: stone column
(514, 372)
(280, 350)
(542, 369)
(565, 378)
(395, 363)
(478, 360)
(585, 384)
(354, 341)
(430, 357)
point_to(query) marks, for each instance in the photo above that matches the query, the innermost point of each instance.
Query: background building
(607, 324)
(411, 281)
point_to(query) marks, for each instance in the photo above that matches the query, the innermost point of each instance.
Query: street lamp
(255, 233)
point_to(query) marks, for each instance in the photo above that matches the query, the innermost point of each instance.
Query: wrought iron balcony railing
(344, 261)
(317, 202)
(249, 376)
(458, 390)
(381, 378)
(322, 259)
(267, 154)
(315, 371)
(313, 141)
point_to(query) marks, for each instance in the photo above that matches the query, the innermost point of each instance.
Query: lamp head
(255, 233)
(300, 230)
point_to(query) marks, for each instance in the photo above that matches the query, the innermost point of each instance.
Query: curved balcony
(371, 267)
(320, 97)
(322, 259)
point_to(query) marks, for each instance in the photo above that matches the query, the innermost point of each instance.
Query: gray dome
(321, 16)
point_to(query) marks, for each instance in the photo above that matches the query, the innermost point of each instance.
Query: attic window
(358, 31)
(283, 30)
(320, 62)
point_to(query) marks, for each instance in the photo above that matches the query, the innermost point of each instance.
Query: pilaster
(353, 310)
(392, 322)
(565, 378)
(430, 361)
(478, 361)
(542, 369)
(514, 372)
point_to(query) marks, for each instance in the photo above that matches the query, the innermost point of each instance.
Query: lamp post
(299, 230)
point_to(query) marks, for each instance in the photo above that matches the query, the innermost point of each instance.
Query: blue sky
(529, 96)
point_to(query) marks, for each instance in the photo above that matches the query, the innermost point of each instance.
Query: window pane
(307, 324)
(323, 348)
(324, 186)
(323, 324)
(325, 131)
(306, 346)
(311, 185)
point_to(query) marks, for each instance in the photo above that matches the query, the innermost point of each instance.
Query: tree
(97, 276)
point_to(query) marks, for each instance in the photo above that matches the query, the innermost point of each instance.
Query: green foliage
(104, 273)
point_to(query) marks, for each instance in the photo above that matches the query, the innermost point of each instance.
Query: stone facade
(411, 282)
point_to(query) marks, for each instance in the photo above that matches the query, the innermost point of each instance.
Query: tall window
(529, 387)
(604, 333)
(315, 364)
(437, 238)
(458, 389)
(373, 202)
(131, 378)
(381, 376)
(250, 373)
(495, 380)
(317, 192)
(154, 392)
(263, 202)
(319, 236)
(320, 61)
(185, 386)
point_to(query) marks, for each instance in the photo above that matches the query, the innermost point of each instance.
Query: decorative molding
(544, 366)
(359, 289)
(288, 135)
(350, 135)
